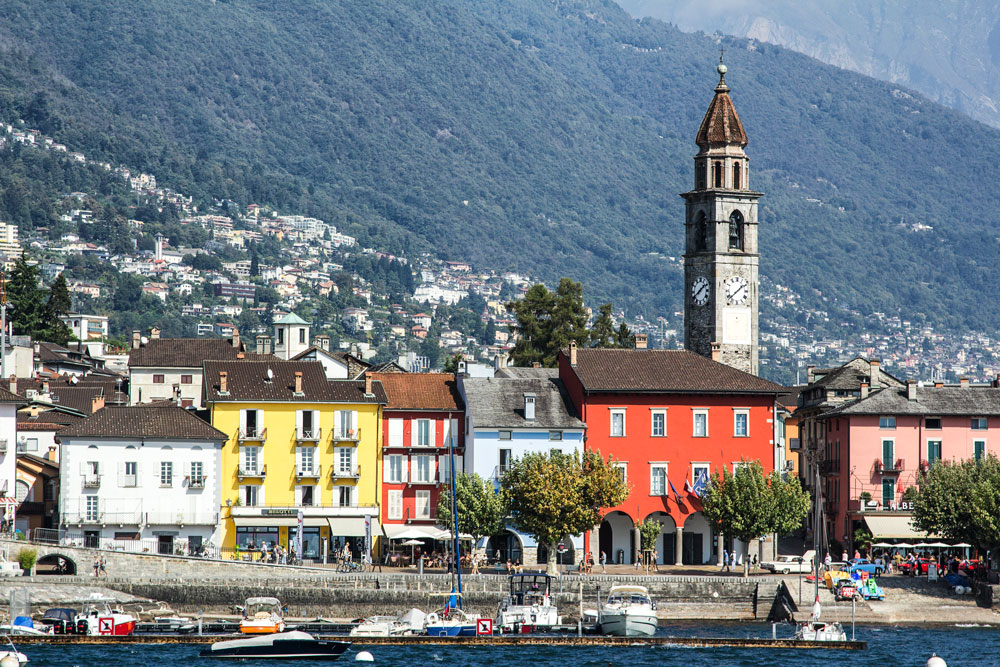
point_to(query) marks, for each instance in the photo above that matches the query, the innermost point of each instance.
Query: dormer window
(529, 407)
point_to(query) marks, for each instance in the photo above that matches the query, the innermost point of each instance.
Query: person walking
(97, 566)
(753, 564)
(725, 559)
(732, 560)
(104, 567)
(604, 563)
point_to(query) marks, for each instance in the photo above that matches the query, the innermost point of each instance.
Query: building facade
(296, 441)
(669, 418)
(141, 475)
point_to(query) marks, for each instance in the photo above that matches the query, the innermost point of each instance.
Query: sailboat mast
(818, 525)
(456, 560)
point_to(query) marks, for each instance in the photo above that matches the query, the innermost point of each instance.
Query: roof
(291, 318)
(420, 391)
(852, 374)
(184, 352)
(790, 400)
(933, 401)
(249, 381)
(7, 397)
(499, 403)
(76, 398)
(144, 422)
(663, 371)
(527, 372)
(721, 124)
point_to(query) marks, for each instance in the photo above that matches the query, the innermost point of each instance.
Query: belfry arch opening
(736, 231)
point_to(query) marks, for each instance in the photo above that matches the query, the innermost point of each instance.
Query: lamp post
(3, 324)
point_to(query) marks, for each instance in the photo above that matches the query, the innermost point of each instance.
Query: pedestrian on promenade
(656, 561)
(725, 559)
(475, 564)
(753, 564)
(104, 567)
(604, 563)
(732, 560)
(97, 566)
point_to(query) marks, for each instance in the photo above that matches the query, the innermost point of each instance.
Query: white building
(291, 336)
(8, 456)
(92, 330)
(141, 478)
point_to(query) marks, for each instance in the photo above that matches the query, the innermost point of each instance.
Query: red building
(422, 421)
(667, 416)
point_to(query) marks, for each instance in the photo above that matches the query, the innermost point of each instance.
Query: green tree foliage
(451, 363)
(649, 532)
(554, 495)
(749, 504)
(547, 322)
(203, 262)
(25, 298)
(602, 334)
(961, 502)
(57, 306)
(481, 507)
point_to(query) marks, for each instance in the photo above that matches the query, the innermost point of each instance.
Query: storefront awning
(352, 526)
(274, 521)
(896, 527)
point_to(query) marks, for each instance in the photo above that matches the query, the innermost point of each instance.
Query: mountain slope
(551, 138)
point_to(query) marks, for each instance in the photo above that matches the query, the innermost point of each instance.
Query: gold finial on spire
(722, 69)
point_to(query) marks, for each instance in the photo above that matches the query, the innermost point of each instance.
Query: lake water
(887, 647)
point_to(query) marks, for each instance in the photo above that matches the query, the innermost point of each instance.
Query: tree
(624, 337)
(53, 329)
(552, 495)
(254, 264)
(603, 332)
(26, 298)
(451, 363)
(649, 531)
(547, 322)
(749, 504)
(481, 507)
(961, 502)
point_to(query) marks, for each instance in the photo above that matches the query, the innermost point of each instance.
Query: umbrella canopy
(412, 543)
(922, 545)
(939, 545)
(883, 544)
(903, 545)
(962, 545)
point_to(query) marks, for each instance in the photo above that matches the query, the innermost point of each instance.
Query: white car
(788, 564)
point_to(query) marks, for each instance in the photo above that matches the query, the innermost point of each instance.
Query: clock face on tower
(737, 290)
(699, 291)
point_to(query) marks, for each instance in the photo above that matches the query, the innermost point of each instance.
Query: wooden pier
(487, 640)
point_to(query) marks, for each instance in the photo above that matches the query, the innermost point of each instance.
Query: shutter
(443, 463)
(445, 432)
(454, 430)
(354, 422)
(430, 433)
(298, 495)
(260, 495)
(243, 421)
(336, 423)
(260, 421)
(459, 464)
(386, 469)
(83, 467)
(298, 422)
(414, 429)
(395, 432)
(138, 474)
(406, 468)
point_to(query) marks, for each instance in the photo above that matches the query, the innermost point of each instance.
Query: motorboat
(97, 618)
(410, 623)
(528, 606)
(262, 616)
(278, 646)
(59, 620)
(628, 612)
(820, 631)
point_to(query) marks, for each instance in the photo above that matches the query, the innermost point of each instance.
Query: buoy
(9, 661)
(365, 656)
(935, 661)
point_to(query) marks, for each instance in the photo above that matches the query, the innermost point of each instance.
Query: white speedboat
(529, 606)
(262, 616)
(819, 631)
(279, 646)
(628, 612)
(409, 623)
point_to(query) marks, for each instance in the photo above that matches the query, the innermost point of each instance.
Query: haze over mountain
(949, 51)
(545, 137)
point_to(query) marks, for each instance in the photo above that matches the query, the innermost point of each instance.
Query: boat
(410, 623)
(59, 620)
(452, 622)
(819, 631)
(6, 655)
(97, 618)
(262, 616)
(279, 646)
(528, 606)
(628, 612)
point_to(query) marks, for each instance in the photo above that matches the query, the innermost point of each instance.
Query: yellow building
(298, 443)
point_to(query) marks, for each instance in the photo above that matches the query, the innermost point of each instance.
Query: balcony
(830, 467)
(252, 473)
(258, 435)
(433, 480)
(338, 473)
(414, 516)
(128, 481)
(347, 436)
(180, 518)
(309, 436)
(196, 482)
(91, 481)
(888, 467)
(500, 471)
(312, 472)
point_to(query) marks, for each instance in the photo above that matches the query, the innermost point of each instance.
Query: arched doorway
(55, 564)
(666, 543)
(697, 549)
(617, 538)
(566, 556)
(505, 546)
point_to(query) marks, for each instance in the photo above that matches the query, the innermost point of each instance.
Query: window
(28, 445)
(197, 473)
(93, 511)
(717, 174)
(345, 460)
(933, 451)
(302, 336)
(166, 473)
(659, 425)
(699, 177)
(423, 505)
(699, 469)
(395, 472)
(618, 423)
(281, 336)
(251, 423)
(345, 496)
(979, 449)
(887, 422)
(700, 424)
(504, 435)
(736, 231)
(308, 420)
(422, 465)
(344, 421)
(248, 460)
(887, 460)
(444, 469)
(249, 493)
(395, 432)
(657, 479)
(736, 176)
(307, 460)
(888, 492)
(505, 461)
(741, 423)
(555, 435)
(622, 470)
(130, 474)
(700, 232)
(978, 424)
(158, 378)
(423, 432)
(186, 379)
(932, 423)
(395, 504)
(307, 496)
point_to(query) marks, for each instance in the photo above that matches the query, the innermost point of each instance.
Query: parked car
(787, 564)
(918, 567)
(865, 565)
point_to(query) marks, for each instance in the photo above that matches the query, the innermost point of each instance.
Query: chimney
(13, 384)
(298, 382)
(34, 410)
(223, 382)
(263, 344)
(96, 404)
(45, 386)
(716, 352)
(536, 364)
(529, 407)
(572, 353)
(136, 339)
(963, 383)
(996, 380)
(51, 456)
(236, 338)
(240, 355)
(641, 341)
(864, 390)
(154, 333)
(369, 389)
(938, 385)
(873, 367)
(810, 374)
(324, 342)
(911, 390)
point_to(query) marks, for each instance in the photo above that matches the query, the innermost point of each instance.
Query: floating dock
(486, 640)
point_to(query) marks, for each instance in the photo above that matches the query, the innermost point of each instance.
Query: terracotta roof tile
(721, 124)
(144, 422)
(248, 381)
(673, 371)
(185, 352)
(420, 391)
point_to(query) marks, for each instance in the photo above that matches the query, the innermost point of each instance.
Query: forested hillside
(548, 137)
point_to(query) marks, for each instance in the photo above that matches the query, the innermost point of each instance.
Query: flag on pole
(673, 489)
(700, 485)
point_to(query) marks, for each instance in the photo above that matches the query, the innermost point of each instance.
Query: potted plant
(27, 558)
(865, 498)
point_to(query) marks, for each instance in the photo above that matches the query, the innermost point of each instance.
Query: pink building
(882, 442)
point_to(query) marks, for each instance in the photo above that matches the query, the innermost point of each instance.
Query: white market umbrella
(412, 543)
(962, 545)
(883, 544)
(903, 545)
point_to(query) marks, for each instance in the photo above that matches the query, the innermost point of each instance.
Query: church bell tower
(721, 284)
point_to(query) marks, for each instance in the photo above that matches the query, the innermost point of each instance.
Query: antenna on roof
(270, 375)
